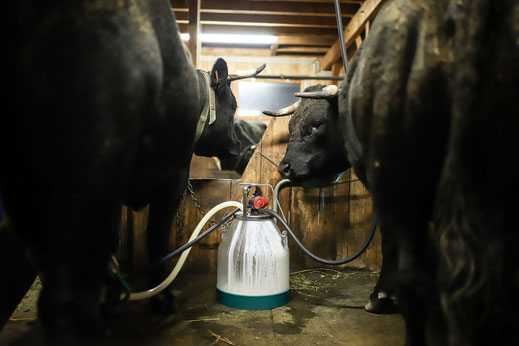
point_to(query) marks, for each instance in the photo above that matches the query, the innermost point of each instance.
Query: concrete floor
(325, 308)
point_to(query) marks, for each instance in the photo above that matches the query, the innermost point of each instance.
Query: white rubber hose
(159, 288)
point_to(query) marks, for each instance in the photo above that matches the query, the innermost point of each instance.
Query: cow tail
(476, 207)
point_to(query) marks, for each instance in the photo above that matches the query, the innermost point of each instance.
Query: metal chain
(191, 190)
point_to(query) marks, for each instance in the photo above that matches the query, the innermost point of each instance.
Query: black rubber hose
(319, 259)
(184, 247)
(344, 52)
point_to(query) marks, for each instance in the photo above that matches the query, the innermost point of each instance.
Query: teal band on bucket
(252, 302)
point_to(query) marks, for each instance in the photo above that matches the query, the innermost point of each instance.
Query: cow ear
(219, 73)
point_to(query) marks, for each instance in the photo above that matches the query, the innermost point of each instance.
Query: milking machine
(253, 256)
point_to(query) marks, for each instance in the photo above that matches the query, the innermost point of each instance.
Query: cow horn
(245, 74)
(284, 111)
(328, 92)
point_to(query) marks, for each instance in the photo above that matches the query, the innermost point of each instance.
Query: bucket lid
(252, 217)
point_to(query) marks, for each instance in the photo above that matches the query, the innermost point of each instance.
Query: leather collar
(208, 109)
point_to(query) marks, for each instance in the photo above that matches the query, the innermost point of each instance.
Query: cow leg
(383, 300)
(74, 263)
(158, 233)
(17, 273)
(414, 279)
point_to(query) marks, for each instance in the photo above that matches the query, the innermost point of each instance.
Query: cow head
(219, 138)
(315, 149)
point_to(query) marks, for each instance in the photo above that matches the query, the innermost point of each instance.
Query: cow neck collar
(209, 108)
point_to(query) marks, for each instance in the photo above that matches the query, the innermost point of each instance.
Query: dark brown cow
(428, 118)
(102, 108)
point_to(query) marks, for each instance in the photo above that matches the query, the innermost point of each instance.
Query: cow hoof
(381, 303)
(164, 303)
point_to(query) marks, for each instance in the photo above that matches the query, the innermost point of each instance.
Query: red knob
(260, 202)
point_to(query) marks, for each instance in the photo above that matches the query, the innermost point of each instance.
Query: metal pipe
(297, 77)
(341, 35)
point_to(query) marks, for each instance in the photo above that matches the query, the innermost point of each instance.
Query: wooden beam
(316, 40)
(351, 52)
(336, 69)
(366, 13)
(266, 24)
(303, 50)
(263, 20)
(266, 30)
(358, 41)
(301, 40)
(274, 49)
(358, 2)
(271, 7)
(284, 13)
(194, 28)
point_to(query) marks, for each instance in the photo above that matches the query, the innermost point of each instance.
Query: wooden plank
(303, 222)
(274, 7)
(238, 28)
(123, 253)
(209, 193)
(194, 28)
(336, 68)
(213, 192)
(358, 41)
(366, 13)
(258, 18)
(341, 209)
(302, 50)
(321, 1)
(274, 49)
(189, 218)
(316, 40)
(270, 13)
(351, 52)
(360, 214)
(277, 24)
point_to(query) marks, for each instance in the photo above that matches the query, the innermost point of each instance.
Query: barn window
(258, 96)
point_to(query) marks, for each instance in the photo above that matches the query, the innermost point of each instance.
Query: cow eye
(315, 128)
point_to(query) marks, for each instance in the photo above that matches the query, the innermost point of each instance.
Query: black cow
(101, 109)
(316, 150)
(249, 134)
(428, 117)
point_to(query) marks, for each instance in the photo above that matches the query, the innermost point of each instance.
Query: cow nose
(284, 170)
